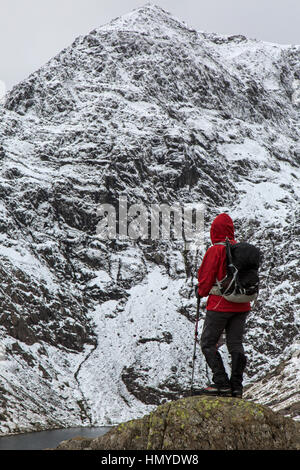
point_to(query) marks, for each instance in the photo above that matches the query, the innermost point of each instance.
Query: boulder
(200, 423)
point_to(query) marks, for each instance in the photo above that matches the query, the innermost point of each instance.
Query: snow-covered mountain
(280, 388)
(97, 332)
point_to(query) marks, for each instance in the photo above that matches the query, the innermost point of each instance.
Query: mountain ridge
(156, 121)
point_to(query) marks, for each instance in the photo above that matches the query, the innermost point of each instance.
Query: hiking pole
(195, 341)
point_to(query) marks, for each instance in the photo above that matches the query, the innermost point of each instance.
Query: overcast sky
(33, 31)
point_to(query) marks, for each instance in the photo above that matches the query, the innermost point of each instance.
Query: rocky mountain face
(95, 331)
(280, 388)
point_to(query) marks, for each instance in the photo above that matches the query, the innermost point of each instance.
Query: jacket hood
(221, 228)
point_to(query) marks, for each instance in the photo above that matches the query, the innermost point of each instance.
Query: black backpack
(241, 283)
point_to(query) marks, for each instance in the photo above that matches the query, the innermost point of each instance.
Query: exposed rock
(280, 388)
(76, 443)
(200, 423)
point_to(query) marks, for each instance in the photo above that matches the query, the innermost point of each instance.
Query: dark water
(47, 439)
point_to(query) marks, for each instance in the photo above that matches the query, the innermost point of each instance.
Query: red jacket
(214, 267)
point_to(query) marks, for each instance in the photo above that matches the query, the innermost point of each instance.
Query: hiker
(221, 315)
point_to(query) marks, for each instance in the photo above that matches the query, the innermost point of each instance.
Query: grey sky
(33, 31)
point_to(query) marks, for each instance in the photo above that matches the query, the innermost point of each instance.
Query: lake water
(47, 439)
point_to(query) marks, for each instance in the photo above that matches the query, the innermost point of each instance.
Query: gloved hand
(196, 293)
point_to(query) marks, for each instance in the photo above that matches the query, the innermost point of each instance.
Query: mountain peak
(149, 18)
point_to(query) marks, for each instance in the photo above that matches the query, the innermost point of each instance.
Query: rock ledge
(199, 423)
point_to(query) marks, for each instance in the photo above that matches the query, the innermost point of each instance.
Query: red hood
(221, 228)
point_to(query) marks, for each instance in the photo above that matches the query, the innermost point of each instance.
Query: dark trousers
(234, 325)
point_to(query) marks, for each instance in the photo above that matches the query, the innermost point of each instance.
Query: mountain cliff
(144, 107)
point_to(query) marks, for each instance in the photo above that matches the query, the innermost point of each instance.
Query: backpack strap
(233, 271)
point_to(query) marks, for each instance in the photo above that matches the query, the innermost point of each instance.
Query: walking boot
(238, 364)
(214, 390)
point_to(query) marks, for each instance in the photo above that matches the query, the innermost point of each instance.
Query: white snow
(147, 315)
(248, 150)
(101, 279)
(23, 259)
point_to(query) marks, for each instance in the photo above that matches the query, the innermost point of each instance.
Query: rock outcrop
(199, 423)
